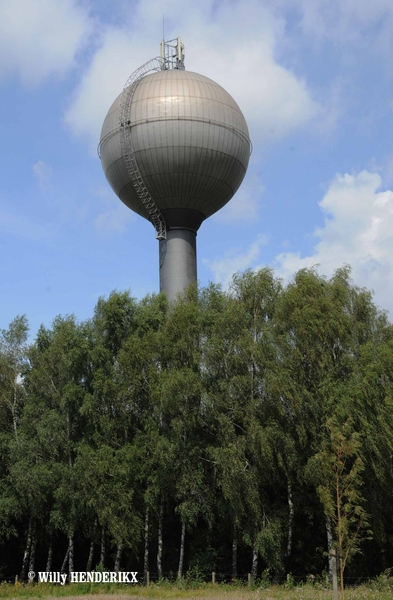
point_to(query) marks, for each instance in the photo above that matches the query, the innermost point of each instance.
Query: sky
(314, 81)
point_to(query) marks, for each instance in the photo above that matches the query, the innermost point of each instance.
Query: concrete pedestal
(178, 266)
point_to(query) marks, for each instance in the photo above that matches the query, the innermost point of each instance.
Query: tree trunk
(71, 554)
(334, 565)
(342, 577)
(64, 564)
(254, 566)
(290, 528)
(32, 551)
(159, 551)
(234, 553)
(146, 554)
(329, 536)
(15, 407)
(118, 556)
(182, 541)
(50, 556)
(91, 556)
(102, 555)
(26, 554)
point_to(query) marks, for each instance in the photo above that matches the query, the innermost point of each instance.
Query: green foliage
(338, 469)
(269, 544)
(247, 417)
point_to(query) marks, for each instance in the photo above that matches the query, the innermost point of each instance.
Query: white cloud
(100, 86)
(245, 205)
(22, 227)
(233, 262)
(352, 23)
(358, 231)
(40, 38)
(115, 220)
(233, 43)
(43, 173)
(114, 216)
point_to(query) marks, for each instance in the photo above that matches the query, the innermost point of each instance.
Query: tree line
(235, 432)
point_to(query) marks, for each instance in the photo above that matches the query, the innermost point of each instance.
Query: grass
(379, 589)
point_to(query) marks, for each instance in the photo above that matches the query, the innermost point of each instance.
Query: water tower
(174, 147)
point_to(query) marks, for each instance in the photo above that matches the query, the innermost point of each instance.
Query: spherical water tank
(191, 145)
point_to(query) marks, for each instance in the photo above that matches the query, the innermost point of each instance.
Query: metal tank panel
(191, 144)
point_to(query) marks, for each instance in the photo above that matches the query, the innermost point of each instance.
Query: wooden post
(334, 565)
(147, 578)
(16, 579)
(213, 577)
(249, 579)
(288, 576)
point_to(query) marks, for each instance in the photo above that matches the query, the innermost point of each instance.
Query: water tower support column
(178, 267)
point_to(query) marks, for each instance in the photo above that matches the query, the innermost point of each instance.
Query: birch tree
(339, 466)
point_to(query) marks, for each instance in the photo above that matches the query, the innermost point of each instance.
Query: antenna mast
(172, 53)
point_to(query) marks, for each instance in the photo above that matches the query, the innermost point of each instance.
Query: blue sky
(314, 80)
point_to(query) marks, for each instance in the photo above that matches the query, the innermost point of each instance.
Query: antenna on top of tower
(171, 53)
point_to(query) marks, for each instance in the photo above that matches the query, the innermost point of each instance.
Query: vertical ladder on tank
(127, 146)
